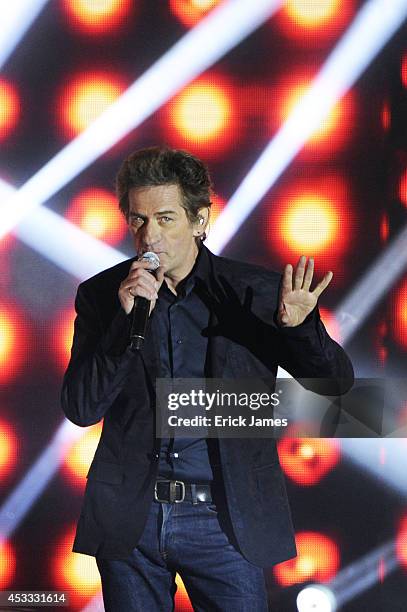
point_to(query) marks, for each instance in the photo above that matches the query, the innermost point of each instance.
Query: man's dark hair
(156, 166)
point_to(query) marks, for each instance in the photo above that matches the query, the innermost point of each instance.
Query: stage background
(339, 194)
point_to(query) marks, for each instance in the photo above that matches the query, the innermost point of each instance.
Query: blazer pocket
(106, 472)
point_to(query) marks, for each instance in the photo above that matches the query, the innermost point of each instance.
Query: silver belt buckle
(173, 492)
(180, 482)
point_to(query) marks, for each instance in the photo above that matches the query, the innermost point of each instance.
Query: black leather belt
(176, 491)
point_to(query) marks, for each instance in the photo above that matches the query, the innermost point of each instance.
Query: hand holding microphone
(143, 282)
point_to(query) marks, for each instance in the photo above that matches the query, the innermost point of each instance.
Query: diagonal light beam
(375, 283)
(16, 18)
(62, 242)
(225, 27)
(371, 29)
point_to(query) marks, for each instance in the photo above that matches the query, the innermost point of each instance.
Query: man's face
(158, 223)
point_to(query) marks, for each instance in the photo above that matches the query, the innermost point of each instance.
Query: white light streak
(224, 27)
(16, 17)
(372, 28)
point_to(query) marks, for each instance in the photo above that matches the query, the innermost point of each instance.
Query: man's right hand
(140, 282)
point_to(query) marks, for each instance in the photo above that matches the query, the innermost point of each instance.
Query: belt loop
(193, 495)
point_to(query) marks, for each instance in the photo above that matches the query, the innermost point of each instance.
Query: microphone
(141, 307)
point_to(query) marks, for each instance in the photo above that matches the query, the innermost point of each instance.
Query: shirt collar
(200, 271)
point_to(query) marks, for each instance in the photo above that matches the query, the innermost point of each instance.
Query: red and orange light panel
(8, 562)
(8, 450)
(189, 12)
(404, 70)
(401, 542)
(202, 117)
(218, 204)
(13, 353)
(403, 187)
(386, 116)
(72, 572)
(98, 16)
(61, 336)
(399, 316)
(80, 455)
(9, 108)
(314, 22)
(306, 461)
(85, 97)
(182, 601)
(96, 211)
(331, 323)
(318, 559)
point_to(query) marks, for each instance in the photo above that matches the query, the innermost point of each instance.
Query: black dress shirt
(180, 320)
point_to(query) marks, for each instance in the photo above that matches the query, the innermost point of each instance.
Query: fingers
(299, 273)
(308, 275)
(287, 282)
(139, 282)
(323, 284)
(302, 277)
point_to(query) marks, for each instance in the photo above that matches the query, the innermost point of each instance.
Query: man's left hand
(296, 299)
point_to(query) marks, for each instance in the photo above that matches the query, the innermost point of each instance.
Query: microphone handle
(140, 312)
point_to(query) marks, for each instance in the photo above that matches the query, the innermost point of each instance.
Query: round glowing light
(334, 130)
(313, 22)
(96, 211)
(400, 315)
(312, 217)
(7, 564)
(311, 224)
(8, 449)
(403, 188)
(9, 108)
(202, 112)
(85, 98)
(77, 573)
(189, 12)
(311, 13)
(401, 542)
(201, 117)
(81, 453)
(97, 16)
(306, 461)
(12, 352)
(318, 559)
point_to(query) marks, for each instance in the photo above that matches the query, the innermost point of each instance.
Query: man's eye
(137, 221)
(165, 219)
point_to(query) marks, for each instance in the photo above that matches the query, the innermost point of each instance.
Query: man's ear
(202, 221)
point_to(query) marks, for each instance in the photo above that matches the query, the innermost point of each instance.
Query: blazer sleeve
(100, 361)
(308, 353)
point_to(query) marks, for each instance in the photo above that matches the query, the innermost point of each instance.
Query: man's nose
(151, 234)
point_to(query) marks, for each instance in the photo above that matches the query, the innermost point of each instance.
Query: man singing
(213, 510)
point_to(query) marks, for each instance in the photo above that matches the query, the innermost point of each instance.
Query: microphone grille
(152, 258)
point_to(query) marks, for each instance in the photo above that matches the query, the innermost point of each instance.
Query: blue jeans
(191, 540)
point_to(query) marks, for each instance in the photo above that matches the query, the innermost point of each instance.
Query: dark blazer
(106, 379)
